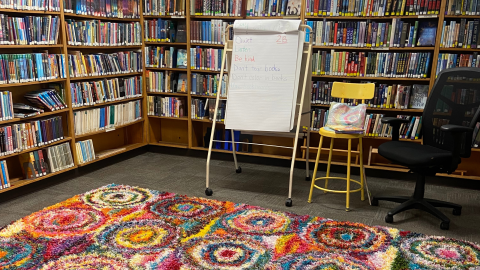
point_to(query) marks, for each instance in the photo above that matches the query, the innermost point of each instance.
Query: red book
(345, 70)
(335, 33)
(315, 7)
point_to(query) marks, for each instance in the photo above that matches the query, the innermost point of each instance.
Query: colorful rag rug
(123, 227)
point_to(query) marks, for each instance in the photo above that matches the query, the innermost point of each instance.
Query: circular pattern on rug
(317, 260)
(440, 253)
(86, 261)
(19, 253)
(117, 197)
(226, 253)
(185, 208)
(257, 222)
(138, 236)
(347, 237)
(59, 222)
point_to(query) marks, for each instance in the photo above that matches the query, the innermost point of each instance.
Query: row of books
(81, 65)
(267, 8)
(85, 151)
(29, 67)
(374, 127)
(211, 32)
(371, 64)
(100, 33)
(164, 7)
(461, 96)
(20, 137)
(206, 58)
(45, 5)
(5, 178)
(460, 35)
(452, 60)
(46, 99)
(462, 7)
(166, 106)
(107, 117)
(6, 106)
(49, 160)
(29, 30)
(199, 109)
(396, 96)
(216, 7)
(373, 34)
(166, 82)
(371, 8)
(165, 57)
(159, 30)
(88, 93)
(208, 84)
(103, 8)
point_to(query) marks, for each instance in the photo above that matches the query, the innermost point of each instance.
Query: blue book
(5, 184)
(426, 65)
(427, 32)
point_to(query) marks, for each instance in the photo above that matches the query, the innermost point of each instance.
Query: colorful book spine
(99, 33)
(104, 64)
(107, 118)
(89, 93)
(166, 106)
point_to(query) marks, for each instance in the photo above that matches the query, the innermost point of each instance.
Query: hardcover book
(427, 34)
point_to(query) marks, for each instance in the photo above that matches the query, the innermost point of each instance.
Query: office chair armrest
(455, 129)
(395, 123)
(457, 132)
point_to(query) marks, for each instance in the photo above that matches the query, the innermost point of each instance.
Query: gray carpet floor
(259, 185)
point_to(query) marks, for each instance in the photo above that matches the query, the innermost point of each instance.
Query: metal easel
(307, 52)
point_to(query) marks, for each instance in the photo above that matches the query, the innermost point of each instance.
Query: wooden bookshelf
(31, 83)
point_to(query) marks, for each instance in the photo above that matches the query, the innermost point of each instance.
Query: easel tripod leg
(238, 169)
(307, 163)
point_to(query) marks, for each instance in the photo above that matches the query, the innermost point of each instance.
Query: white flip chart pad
(263, 76)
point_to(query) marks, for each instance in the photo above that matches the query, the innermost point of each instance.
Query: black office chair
(451, 112)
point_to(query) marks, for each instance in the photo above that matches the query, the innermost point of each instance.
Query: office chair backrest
(360, 91)
(454, 99)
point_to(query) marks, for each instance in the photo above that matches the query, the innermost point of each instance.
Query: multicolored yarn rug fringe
(123, 227)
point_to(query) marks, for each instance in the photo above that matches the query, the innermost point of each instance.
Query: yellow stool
(343, 91)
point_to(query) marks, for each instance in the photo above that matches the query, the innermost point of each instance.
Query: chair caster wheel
(389, 218)
(288, 202)
(307, 178)
(445, 225)
(457, 211)
(239, 170)
(208, 192)
(374, 202)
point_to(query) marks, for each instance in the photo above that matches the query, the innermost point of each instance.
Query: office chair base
(427, 205)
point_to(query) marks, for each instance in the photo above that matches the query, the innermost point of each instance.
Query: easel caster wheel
(307, 178)
(389, 218)
(457, 211)
(445, 225)
(374, 202)
(239, 170)
(289, 202)
(208, 192)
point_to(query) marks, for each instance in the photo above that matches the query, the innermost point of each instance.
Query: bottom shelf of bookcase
(16, 183)
(244, 153)
(128, 147)
(170, 144)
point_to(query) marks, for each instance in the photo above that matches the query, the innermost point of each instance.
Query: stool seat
(331, 134)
